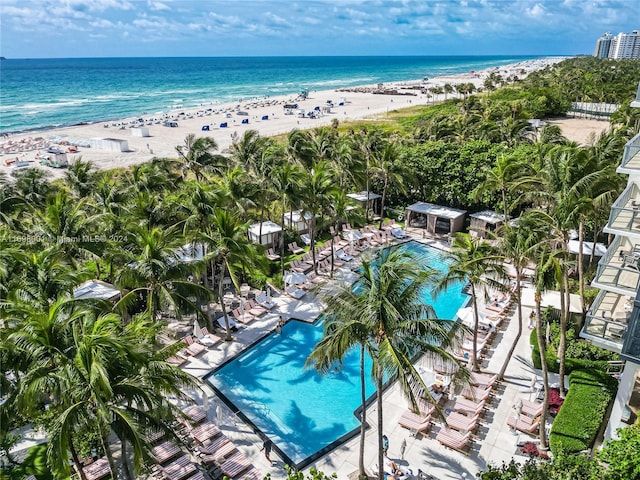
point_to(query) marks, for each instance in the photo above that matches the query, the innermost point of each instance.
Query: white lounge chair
(295, 292)
(397, 232)
(265, 302)
(306, 238)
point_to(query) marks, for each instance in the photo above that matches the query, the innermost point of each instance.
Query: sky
(166, 28)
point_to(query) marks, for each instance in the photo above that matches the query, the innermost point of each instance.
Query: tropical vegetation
(93, 374)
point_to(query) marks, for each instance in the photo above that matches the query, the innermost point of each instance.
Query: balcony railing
(625, 213)
(607, 319)
(631, 158)
(619, 269)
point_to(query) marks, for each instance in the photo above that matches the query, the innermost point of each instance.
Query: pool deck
(493, 443)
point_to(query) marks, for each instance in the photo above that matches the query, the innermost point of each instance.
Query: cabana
(96, 289)
(140, 132)
(367, 200)
(485, 222)
(109, 144)
(573, 247)
(297, 221)
(436, 219)
(270, 234)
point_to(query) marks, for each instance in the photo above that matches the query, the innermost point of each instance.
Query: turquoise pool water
(303, 413)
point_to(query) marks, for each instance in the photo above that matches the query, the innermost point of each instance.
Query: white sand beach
(266, 115)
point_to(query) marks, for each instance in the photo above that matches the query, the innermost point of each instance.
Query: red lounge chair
(253, 474)
(164, 452)
(254, 309)
(220, 453)
(242, 316)
(482, 379)
(415, 422)
(176, 360)
(531, 409)
(295, 249)
(272, 255)
(477, 394)
(524, 424)
(209, 339)
(215, 444)
(193, 348)
(235, 465)
(461, 422)
(455, 440)
(468, 407)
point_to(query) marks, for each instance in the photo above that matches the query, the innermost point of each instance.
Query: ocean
(36, 94)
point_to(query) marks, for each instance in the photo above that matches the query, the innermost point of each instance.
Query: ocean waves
(38, 94)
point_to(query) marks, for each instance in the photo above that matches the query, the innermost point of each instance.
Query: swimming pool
(303, 413)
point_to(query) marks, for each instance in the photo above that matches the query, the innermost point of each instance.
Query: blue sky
(129, 28)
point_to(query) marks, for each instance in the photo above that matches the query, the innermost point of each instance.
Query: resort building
(613, 321)
(603, 45)
(623, 45)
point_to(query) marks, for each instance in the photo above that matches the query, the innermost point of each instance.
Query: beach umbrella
(219, 415)
(268, 293)
(197, 331)
(292, 278)
(465, 315)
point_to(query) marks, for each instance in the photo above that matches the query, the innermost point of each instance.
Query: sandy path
(163, 140)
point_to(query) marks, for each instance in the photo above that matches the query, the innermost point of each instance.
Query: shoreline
(264, 114)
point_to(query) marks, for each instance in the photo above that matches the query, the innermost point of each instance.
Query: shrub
(578, 421)
(571, 364)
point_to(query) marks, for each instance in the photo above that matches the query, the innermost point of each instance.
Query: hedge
(578, 422)
(571, 364)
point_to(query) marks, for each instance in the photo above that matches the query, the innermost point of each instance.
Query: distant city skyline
(141, 28)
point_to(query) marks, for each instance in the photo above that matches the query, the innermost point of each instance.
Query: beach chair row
(252, 309)
(463, 419)
(214, 448)
(491, 318)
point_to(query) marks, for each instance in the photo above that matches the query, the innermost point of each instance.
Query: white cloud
(537, 11)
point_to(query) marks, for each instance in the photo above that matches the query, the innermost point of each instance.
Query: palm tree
(196, 155)
(500, 178)
(316, 188)
(228, 246)
(477, 263)
(286, 178)
(81, 177)
(342, 333)
(389, 171)
(384, 314)
(154, 272)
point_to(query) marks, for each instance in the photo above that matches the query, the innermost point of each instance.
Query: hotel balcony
(607, 320)
(619, 269)
(631, 159)
(625, 213)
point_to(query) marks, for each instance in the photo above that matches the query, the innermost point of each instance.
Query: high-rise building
(613, 320)
(603, 45)
(623, 45)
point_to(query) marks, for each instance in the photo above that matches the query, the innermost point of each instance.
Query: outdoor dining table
(205, 432)
(98, 469)
(165, 451)
(179, 469)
